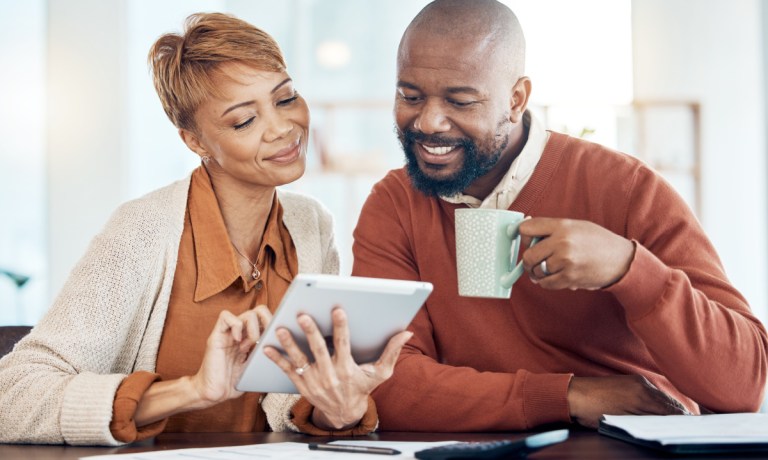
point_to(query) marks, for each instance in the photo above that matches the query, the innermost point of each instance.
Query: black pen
(354, 449)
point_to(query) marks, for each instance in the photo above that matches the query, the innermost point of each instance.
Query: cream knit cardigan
(59, 383)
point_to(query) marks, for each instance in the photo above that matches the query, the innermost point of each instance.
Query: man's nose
(432, 119)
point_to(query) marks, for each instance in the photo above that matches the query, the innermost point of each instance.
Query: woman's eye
(245, 124)
(288, 101)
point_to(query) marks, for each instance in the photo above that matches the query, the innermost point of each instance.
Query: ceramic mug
(487, 243)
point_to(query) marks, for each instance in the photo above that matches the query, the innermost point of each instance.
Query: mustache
(409, 136)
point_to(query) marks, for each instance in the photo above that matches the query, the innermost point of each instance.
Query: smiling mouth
(438, 150)
(288, 153)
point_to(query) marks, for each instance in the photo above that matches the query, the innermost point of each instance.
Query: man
(626, 309)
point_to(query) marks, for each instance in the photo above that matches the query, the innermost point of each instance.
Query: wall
(712, 52)
(108, 138)
(22, 159)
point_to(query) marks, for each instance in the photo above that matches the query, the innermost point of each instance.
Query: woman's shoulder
(298, 202)
(158, 210)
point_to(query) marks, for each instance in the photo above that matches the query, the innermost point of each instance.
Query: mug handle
(513, 231)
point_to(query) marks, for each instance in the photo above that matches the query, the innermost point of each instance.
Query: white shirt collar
(520, 171)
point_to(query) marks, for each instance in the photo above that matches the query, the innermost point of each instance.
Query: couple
(626, 308)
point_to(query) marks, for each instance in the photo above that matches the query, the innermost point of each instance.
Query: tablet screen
(376, 310)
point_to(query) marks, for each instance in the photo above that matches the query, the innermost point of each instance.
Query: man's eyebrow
(463, 89)
(451, 90)
(405, 84)
(242, 104)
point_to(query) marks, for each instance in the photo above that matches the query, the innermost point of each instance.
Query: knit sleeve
(697, 327)
(328, 241)
(59, 384)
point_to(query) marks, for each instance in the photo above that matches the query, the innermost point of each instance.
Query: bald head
(485, 27)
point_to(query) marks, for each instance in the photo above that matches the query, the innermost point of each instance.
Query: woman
(152, 329)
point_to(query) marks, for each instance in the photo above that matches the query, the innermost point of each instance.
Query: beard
(476, 162)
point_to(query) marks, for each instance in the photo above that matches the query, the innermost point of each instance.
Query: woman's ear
(193, 142)
(521, 92)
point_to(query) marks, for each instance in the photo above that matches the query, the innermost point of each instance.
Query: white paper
(695, 429)
(278, 450)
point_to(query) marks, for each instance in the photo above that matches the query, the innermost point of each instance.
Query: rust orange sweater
(488, 364)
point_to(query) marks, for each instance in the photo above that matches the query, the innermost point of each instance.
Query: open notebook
(691, 434)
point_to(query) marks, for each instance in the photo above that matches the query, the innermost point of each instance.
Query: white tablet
(376, 310)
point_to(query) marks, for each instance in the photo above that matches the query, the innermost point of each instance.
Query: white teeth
(438, 150)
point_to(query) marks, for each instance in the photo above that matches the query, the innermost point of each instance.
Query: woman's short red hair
(184, 67)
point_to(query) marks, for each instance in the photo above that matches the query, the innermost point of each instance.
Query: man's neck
(485, 184)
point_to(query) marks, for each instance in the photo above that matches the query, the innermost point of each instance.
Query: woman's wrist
(166, 398)
(341, 421)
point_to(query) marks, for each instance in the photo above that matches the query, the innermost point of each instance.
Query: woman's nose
(277, 127)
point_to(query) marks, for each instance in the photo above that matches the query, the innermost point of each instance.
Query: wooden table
(582, 444)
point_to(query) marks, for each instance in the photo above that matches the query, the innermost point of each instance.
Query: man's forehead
(421, 47)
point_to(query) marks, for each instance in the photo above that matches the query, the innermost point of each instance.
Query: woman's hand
(336, 386)
(229, 344)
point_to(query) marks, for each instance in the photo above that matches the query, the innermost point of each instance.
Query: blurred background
(680, 84)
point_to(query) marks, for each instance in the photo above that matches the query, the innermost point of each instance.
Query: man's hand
(579, 254)
(591, 397)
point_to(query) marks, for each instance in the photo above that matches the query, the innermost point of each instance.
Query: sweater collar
(520, 171)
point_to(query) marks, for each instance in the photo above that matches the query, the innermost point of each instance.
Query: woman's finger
(341, 345)
(385, 365)
(264, 315)
(293, 351)
(229, 322)
(251, 325)
(316, 342)
(287, 367)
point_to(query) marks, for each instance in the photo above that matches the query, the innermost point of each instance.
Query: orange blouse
(208, 280)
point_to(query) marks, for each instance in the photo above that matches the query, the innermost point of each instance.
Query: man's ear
(193, 142)
(521, 92)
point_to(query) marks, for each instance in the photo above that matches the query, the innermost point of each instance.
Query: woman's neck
(245, 209)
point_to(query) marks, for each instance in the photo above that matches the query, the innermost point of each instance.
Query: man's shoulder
(598, 156)
(395, 182)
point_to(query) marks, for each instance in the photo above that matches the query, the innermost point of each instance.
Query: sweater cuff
(643, 284)
(86, 409)
(545, 399)
(301, 417)
(129, 393)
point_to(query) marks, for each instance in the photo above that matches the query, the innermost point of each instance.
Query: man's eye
(410, 99)
(244, 124)
(460, 103)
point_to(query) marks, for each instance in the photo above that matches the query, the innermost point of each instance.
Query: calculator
(493, 449)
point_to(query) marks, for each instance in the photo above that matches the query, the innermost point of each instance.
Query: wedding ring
(543, 267)
(301, 370)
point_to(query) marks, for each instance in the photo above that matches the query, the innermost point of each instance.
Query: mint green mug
(487, 245)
